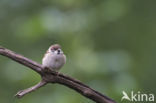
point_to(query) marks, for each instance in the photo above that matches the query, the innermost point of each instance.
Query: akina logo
(137, 96)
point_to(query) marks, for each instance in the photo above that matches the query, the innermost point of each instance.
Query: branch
(53, 77)
(31, 89)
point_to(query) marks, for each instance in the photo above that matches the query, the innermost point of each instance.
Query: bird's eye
(59, 50)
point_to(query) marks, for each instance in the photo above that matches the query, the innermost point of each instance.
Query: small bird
(54, 58)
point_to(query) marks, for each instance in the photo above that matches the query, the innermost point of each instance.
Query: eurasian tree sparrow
(54, 58)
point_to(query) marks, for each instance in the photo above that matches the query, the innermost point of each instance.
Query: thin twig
(53, 77)
(21, 93)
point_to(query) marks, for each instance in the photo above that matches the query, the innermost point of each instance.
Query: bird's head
(56, 49)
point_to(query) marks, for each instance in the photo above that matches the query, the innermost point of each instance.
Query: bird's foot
(46, 69)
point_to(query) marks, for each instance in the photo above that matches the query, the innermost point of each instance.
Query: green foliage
(110, 46)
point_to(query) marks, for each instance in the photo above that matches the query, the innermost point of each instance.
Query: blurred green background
(110, 45)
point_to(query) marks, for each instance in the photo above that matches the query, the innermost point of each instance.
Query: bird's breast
(54, 62)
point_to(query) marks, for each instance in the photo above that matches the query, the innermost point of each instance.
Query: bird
(54, 58)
